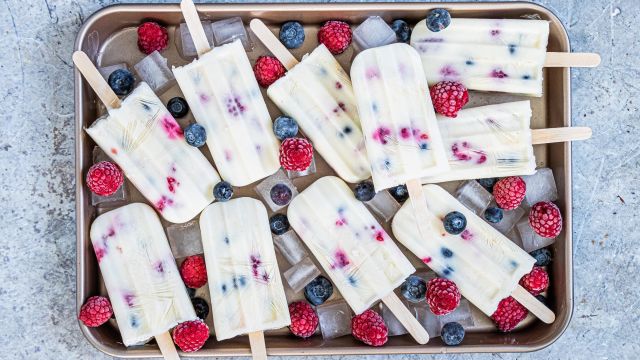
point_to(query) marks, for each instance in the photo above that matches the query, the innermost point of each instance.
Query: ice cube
(154, 70)
(383, 205)
(514, 236)
(509, 220)
(107, 70)
(472, 195)
(309, 171)
(228, 30)
(120, 196)
(530, 239)
(541, 186)
(290, 246)
(425, 317)
(186, 41)
(185, 239)
(394, 326)
(277, 190)
(300, 274)
(373, 32)
(335, 319)
(462, 315)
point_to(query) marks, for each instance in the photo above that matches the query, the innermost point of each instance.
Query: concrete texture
(37, 237)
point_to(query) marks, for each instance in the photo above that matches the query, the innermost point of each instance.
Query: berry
(223, 191)
(104, 178)
(280, 194)
(488, 183)
(335, 35)
(121, 81)
(402, 30)
(364, 191)
(318, 290)
(369, 328)
(191, 292)
(443, 296)
(296, 154)
(542, 256)
(400, 193)
(493, 214)
(509, 314)
(292, 34)
(414, 289)
(542, 299)
(304, 321)
(536, 281)
(545, 219)
(178, 107)
(201, 307)
(449, 97)
(193, 271)
(96, 311)
(285, 127)
(195, 135)
(452, 333)
(454, 223)
(191, 335)
(438, 20)
(509, 192)
(152, 37)
(279, 224)
(267, 70)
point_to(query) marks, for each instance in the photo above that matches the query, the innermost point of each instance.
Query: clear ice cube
(185, 239)
(335, 319)
(425, 317)
(383, 205)
(509, 220)
(300, 274)
(373, 32)
(541, 186)
(186, 41)
(309, 171)
(105, 71)
(472, 195)
(290, 246)
(228, 30)
(112, 200)
(462, 315)
(530, 239)
(154, 70)
(264, 189)
(394, 326)
(514, 236)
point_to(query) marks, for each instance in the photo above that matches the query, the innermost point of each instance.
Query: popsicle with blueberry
(141, 136)
(247, 295)
(225, 99)
(318, 94)
(361, 259)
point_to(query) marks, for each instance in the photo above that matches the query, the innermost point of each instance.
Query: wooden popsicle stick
(192, 19)
(272, 43)
(535, 306)
(258, 347)
(406, 318)
(562, 134)
(568, 59)
(95, 80)
(167, 347)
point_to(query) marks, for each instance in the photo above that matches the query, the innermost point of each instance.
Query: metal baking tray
(110, 35)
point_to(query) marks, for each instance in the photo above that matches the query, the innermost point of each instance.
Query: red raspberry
(304, 320)
(96, 311)
(267, 70)
(194, 271)
(545, 219)
(536, 281)
(335, 35)
(509, 192)
(369, 328)
(191, 335)
(449, 97)
(296, 154)
(152, 37)
(509, 314)
(104, 178)
(443, 296)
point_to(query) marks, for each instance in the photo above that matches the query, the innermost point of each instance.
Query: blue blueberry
(364, 191)
(201, 307)
(178, 107)
(526, 77)
(279, 224)
(191, 292)
(488, 183)
(121, 81)
(223, 191)
(438, 20)
(455, 222)
(285, 127)
(402, 29)
(469, 62)
(452, 333)
(414, 289)
(280, 194)
(542, 299)
(318, 290)
(400, 193)
(493, 214)
(512, 49)
(542, 256)
(133, 321)
(195, 135)
(292, 34)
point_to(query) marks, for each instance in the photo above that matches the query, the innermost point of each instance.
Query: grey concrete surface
(37, 236)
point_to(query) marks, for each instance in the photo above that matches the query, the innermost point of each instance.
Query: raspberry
(304, 320)
(194, 271)
(96, 311)
(191, 335)
(104, 178)
(152, 37)
(443, 296)
(369, 328)
(296, 154)
(335, 35)
(267, 70)
(536, 281)
(509, 314)
(545, 219)
(449, 97)
(509, 192)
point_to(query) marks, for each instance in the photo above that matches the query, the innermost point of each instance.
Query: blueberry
(191, 292)
(178, 107)
(414, 289)
(452, 333)
(195, 135)
(542, 256)
(318, 290)
(402, 29)
(493, 214)
(542, 299)
(201, 307)
(400, 193)
(454, 223)
(292, 34)
(285, 127)
(223, 191)
(488, 183)
(280, 194)
(438, 20)
(279, 224)
(121, 81)
(364, 191)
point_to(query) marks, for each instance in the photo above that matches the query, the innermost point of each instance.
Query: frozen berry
(448, 97)
(402, 30)
(296, 154)
(152, 37)
(304, 320)
(223, 191)
(195, 135)
(191, 335)
(454, 222)
(509, 314)
(452, 333)
(438, 20)
(280, 194)
(292, 34)
(400, 193)
(369, 328)
(443, 296)
(542, 256)
(279, 224)
(194, 271)
(364, 191)
(201, 307)
(493, 214)
(191, 292)
(542, 299)
(104, 178)
(285, 127)
(545, 219)
(267, 70)
(318, 290)
(488, 183)
(414, 289)
(95, 311)
(121, 81)
(536, 281)
(335, 35)
(509, 192)
(178, 107)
